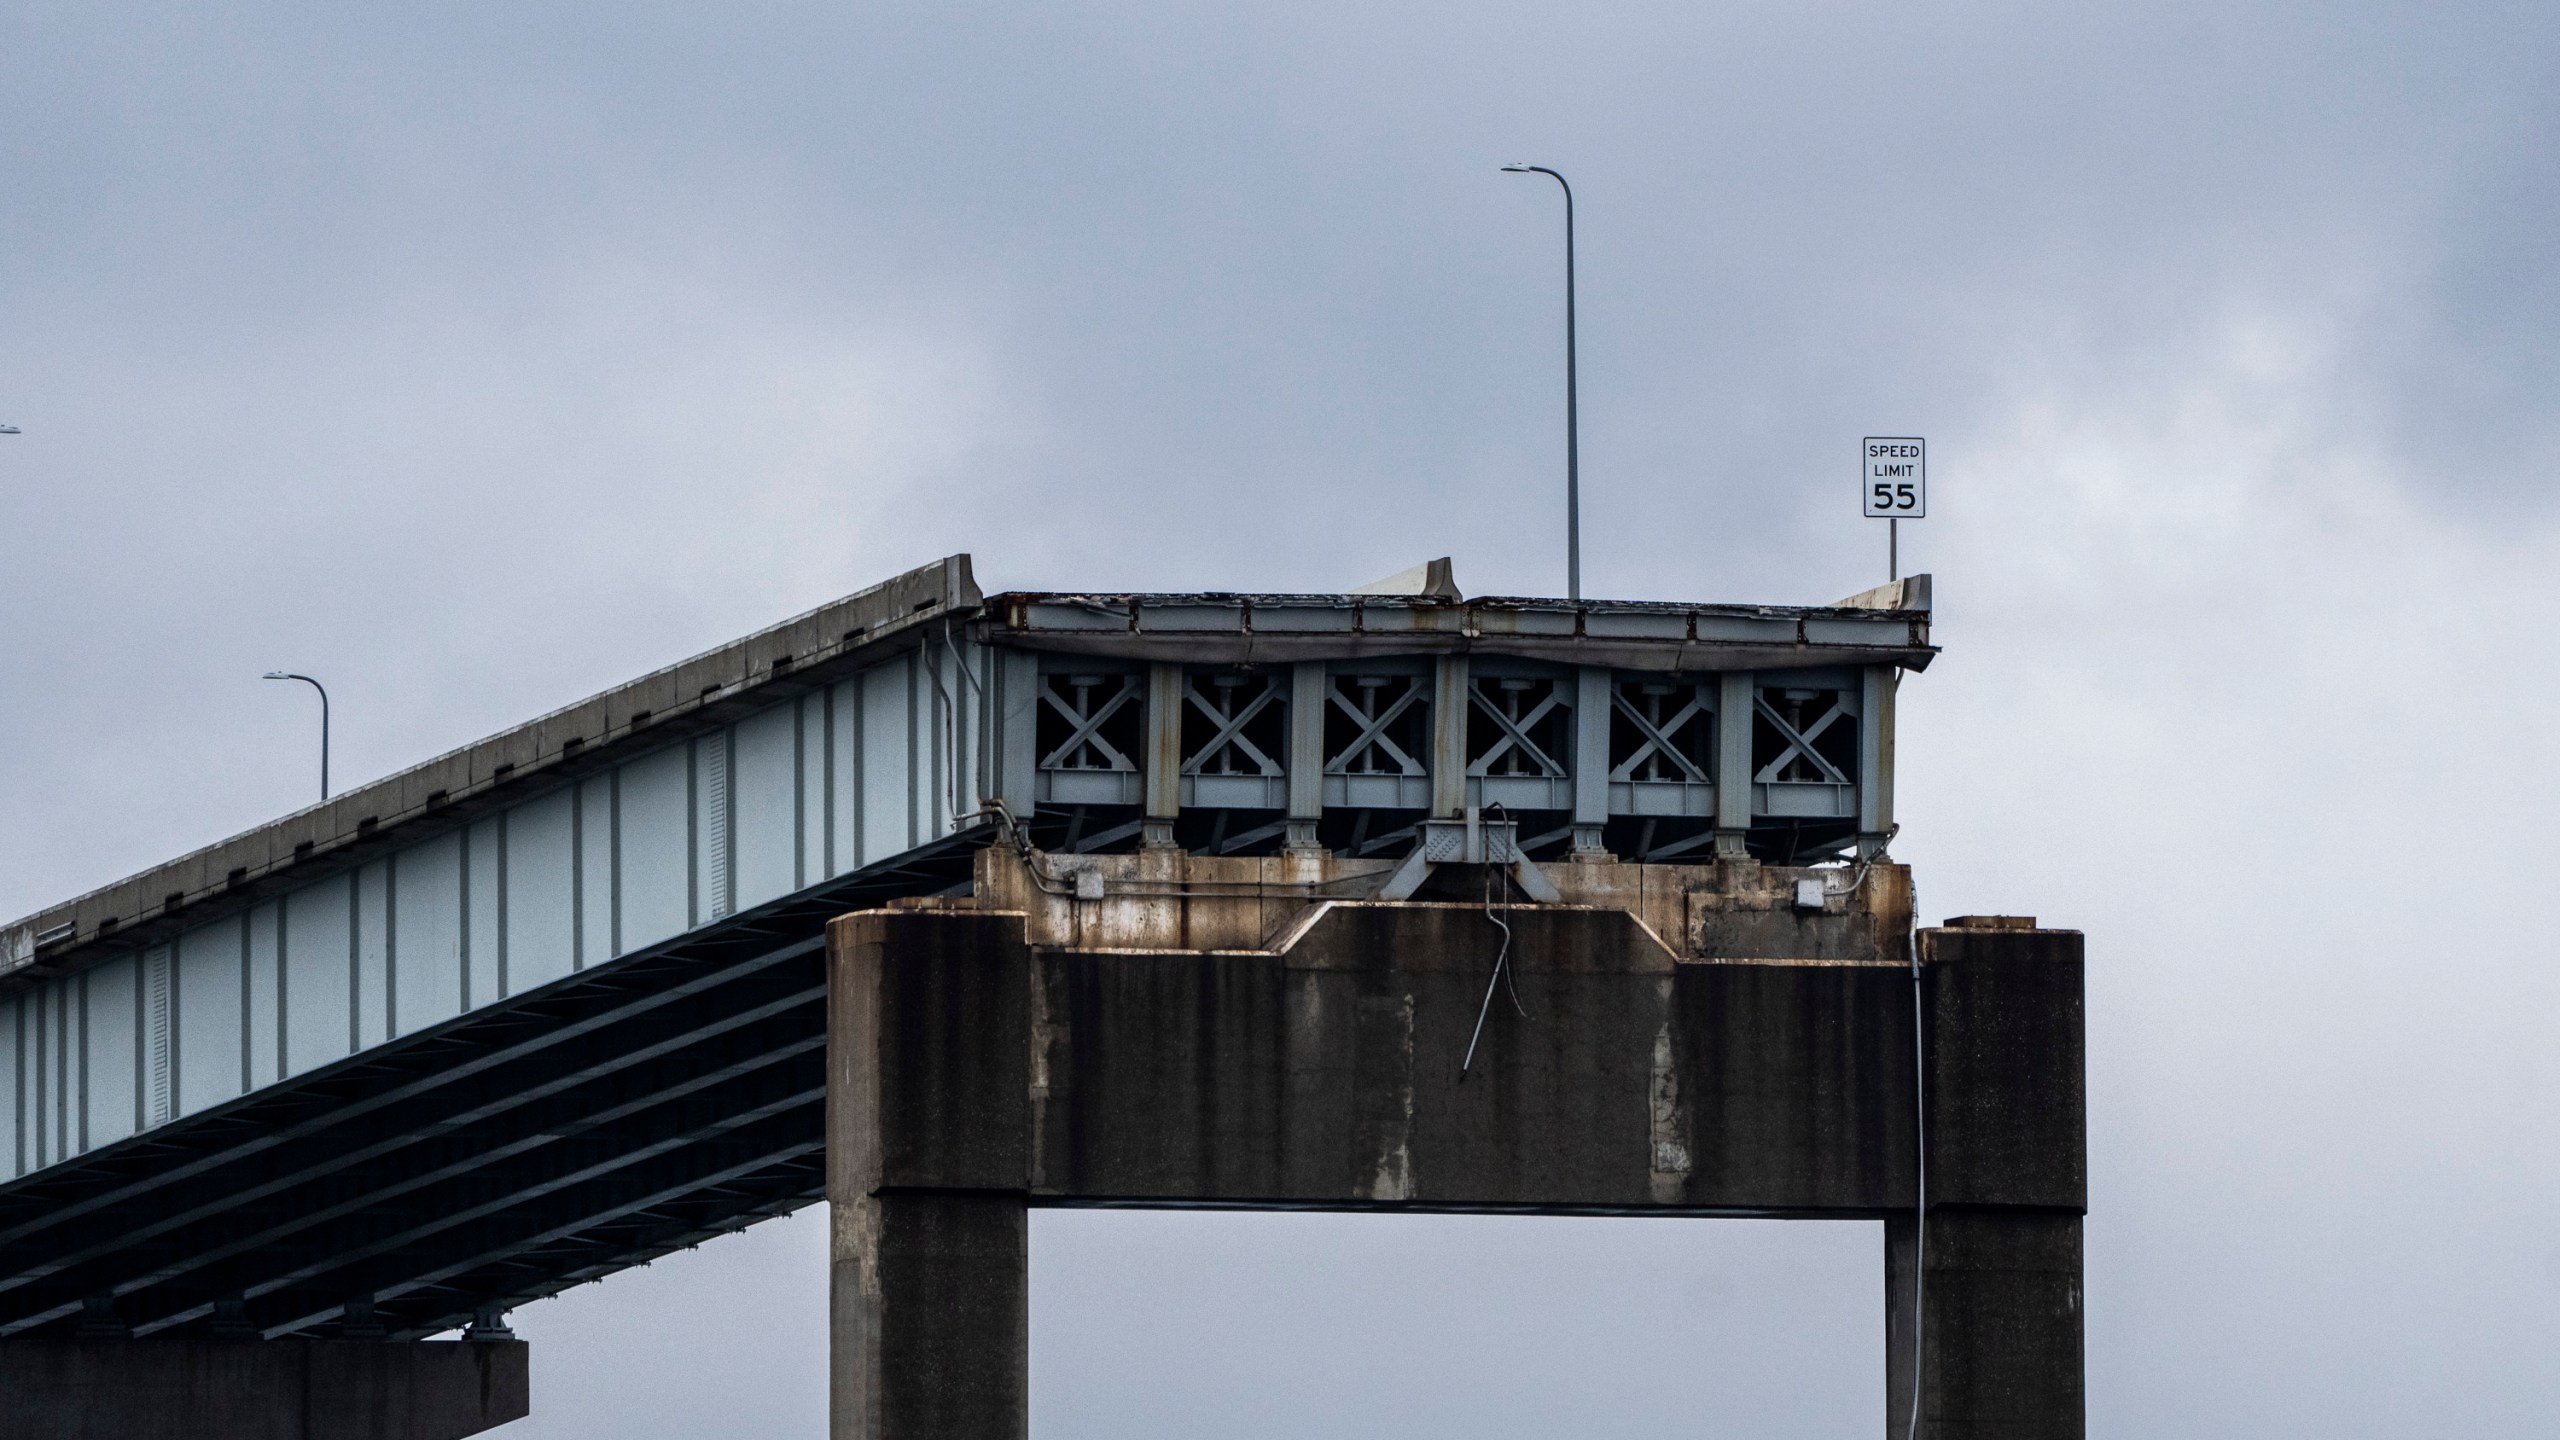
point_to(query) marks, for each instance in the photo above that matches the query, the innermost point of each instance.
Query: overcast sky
(478, 356)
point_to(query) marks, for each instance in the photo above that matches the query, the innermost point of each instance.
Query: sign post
(1893, 481)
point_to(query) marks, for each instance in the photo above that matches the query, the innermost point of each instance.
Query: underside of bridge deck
(573, 1131)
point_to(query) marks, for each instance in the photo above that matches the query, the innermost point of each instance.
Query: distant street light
(1572, 409)
(324, 721)
(8, 429)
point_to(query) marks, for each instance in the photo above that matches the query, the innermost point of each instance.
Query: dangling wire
(1920, 1156)
(1502, 975)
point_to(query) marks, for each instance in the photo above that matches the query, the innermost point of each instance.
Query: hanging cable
(1920, 1165)
(1502, 976)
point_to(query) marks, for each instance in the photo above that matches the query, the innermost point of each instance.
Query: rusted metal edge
(1221, 627)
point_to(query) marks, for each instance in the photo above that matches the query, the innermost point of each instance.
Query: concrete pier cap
(1160, 1028)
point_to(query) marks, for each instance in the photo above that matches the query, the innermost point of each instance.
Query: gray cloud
(477, 357)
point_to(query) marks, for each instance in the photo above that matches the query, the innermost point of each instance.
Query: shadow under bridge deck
(552, 1005)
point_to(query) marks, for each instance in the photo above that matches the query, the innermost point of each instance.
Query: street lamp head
(1514, 167)
(275, 675)
(8, 429)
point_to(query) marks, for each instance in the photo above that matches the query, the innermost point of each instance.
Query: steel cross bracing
(1797, 752)
(1084, 747)
(627, 1111)
(1373, 750)
(1655, 757)
(1227, 750)
(1512, 751)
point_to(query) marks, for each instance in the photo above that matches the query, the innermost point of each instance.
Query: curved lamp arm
(324, 720)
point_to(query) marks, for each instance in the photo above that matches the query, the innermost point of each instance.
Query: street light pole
(324, 721)
(1572, 400)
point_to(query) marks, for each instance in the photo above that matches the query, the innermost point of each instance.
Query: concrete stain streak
(1670, 1163)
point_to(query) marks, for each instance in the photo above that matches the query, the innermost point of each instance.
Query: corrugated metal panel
(714, 856)
(765, 806)
(159, 1036)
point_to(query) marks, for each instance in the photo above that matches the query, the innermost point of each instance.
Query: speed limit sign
(1894, 476)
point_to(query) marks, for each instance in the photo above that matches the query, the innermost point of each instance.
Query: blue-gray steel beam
(1307, 682)
(1736, 692)
(1017, 747)
(1450, 709)
(1591, 686)
(1875, 759)
(1162, 763)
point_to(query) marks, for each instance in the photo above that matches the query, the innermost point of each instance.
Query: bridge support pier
(2003, 1336)
(259, 1389)
(980, 1063)
(931, 1303)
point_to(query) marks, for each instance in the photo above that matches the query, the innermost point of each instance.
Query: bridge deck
(548, 1006)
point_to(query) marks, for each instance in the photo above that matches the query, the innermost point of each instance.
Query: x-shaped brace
(1515, 732)
(1800, 742)
(1088, 729)
(1373, 731)
(1230, 729)
(1657, 741)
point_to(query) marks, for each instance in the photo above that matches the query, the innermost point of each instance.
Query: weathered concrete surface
(2008, 1184)
(2002, 1358)
(260, 1390)
(975, 1072)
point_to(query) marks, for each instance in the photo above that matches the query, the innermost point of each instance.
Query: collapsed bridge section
(554, 1003)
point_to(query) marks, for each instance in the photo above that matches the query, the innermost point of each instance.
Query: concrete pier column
(1998, 1269)
(928, 1101)
(2001, 1346)
(931, 1318)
